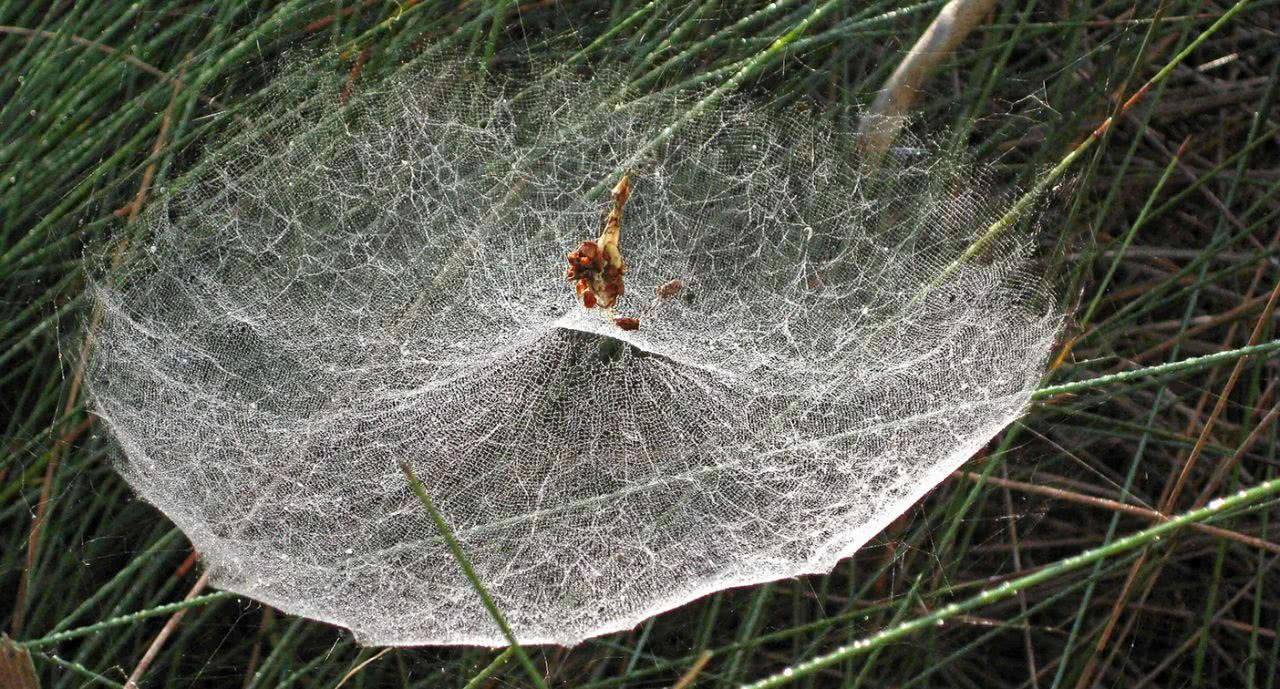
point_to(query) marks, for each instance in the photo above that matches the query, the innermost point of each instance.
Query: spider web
(335, 290)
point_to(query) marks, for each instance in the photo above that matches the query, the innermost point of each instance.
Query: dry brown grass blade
(77, 380)
(16, 669)
(691, 676)
(1095, 666)
(356, 670)
(1114, 506)
(165, 632)
(114, 52)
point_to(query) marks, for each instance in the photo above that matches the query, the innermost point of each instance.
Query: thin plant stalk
(455, 549)
(1217, 508)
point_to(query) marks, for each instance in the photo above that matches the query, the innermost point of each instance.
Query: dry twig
(888, 111)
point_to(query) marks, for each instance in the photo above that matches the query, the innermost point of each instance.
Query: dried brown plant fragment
(596, 266)
(669, 289)
(627, 323)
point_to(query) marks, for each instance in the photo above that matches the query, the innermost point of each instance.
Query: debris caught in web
(596, 267)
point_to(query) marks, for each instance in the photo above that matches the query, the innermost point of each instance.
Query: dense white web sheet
(338, 290)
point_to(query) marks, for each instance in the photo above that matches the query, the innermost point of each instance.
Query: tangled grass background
(1166, 252)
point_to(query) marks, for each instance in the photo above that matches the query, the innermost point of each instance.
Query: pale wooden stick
(691, 675)
(881, 123)
(156, 644)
